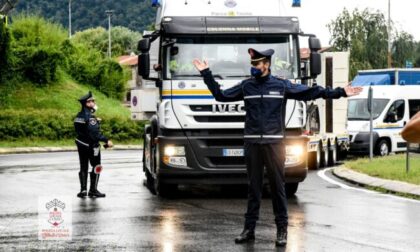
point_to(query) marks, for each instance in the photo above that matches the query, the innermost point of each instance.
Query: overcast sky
(314, 15)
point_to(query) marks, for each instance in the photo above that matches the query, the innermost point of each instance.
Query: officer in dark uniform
(265, 99)
(88, 136)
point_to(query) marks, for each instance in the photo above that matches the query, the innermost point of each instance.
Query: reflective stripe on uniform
(85, 144)
(263, 136)
(252, 136)
(263, 96)
(79, 120)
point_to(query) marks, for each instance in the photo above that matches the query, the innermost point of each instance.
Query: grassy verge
(390, 167)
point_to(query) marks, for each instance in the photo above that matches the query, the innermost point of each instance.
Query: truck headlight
(174, 155)
(294, 150)
(174, 151)
(294, 154)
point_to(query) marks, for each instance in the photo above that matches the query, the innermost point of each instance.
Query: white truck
(326, 120)
(396, 98)
(191, 138)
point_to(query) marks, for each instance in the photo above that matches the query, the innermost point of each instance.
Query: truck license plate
(233, 152)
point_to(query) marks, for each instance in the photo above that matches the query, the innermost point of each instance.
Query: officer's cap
(260, 55)
(86, 98)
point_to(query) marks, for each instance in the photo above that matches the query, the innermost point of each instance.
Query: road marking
(322, 175)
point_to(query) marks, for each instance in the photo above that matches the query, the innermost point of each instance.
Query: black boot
(93, 191)
(281, 236)
(247, 235)
(83, 185)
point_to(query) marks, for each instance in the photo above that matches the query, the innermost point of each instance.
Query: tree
(124, 41)
(365, 35)
(403, 49)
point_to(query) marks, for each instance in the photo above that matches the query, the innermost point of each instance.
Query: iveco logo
(230, 3)
(230, 108)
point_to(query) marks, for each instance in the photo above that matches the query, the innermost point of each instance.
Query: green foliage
(134, 14)
(5, 40)
(54, 125)
(403, 48)
(47, 113)
(365, 35)
(111, 79)
(37, 49)
(124, 41)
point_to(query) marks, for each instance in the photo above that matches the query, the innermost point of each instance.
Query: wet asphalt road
(323, 216)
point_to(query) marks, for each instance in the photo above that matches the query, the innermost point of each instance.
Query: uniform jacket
(265, 101)
(88, 129)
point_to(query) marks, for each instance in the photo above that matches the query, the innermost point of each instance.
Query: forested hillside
(134, 14)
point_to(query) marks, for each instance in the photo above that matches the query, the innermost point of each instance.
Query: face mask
(95, 108)
(256, 72)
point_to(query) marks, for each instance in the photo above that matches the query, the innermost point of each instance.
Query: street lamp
(69, 18)
(389, 35)
(109, 13)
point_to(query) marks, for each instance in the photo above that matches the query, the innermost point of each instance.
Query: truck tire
(324, 157)
(164, 190)
(332, 156)
(382, 148)
(314, 159)
(150, 182)
(291, 189)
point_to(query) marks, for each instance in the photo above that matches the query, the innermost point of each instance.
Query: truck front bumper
(206, 163)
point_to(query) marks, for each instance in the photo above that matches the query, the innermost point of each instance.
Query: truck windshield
(358, 109)
(228, 56)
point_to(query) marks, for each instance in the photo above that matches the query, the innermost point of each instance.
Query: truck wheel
(314, 160)
(164, 190)
(382, 148)
(332, 156)
(150, 182)
(291, 189)
(324, 157)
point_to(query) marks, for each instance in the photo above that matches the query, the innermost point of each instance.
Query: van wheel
(314, 160)
(382, 148)
(291, 189)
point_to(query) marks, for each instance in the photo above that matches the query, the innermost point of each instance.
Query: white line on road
(322, 175)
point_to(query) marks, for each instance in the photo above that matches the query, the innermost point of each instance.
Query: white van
(393, 106)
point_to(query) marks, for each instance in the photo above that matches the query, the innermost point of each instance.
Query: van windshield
(357, 109)
(228, 56)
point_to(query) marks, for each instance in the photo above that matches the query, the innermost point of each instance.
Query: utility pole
(389, 35)
(69, 18)
(109, 13)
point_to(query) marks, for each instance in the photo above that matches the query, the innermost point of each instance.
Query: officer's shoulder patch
(93, 121)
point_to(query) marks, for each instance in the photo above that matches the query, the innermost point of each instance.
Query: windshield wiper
(196, 75)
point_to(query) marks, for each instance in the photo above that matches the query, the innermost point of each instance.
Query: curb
(365, 180)
(22, 150)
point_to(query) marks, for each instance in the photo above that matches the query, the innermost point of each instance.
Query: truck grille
(221, 119)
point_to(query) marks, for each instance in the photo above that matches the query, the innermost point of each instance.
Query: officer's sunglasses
(90, 101)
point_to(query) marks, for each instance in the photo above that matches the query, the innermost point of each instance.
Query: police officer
(265, 98)
(88, 136)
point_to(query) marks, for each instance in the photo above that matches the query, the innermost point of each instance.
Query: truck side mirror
(144, 65)
(315, 64)
(144, 45)
(314, 44)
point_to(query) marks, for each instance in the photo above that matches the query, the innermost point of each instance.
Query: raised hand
(200, 65)
(351, 91)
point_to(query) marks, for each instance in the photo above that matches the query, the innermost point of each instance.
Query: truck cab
(192, 138)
